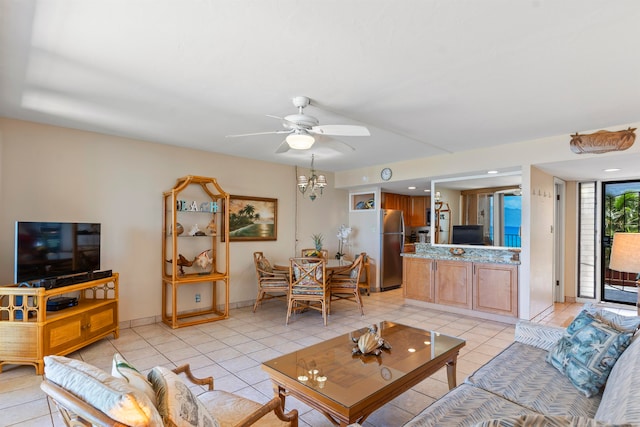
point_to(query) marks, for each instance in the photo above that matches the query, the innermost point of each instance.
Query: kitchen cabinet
(396, 201)
(478, 286)
(417, 278)
(495, 288)
(453, 283)
(413, 207)
(418, 211)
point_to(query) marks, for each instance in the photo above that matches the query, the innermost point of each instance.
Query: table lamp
(625, 256)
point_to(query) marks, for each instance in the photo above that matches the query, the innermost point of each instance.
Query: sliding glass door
(619, 214)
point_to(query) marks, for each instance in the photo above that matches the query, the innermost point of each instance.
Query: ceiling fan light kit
(300, 141)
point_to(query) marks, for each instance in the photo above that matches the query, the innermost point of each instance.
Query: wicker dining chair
(345, 283)
(309, 287)
(271, 283)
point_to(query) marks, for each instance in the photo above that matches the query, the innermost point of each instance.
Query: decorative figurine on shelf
(195, 231)
(370, 343)
(211, 227)
(179, 229)
(182, 262)
(203, 260)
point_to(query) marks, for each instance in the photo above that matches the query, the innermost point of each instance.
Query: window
(587, 240)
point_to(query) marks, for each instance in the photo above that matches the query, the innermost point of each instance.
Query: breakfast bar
(475, 281)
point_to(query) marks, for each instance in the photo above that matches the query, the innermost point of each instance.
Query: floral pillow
(120, 368)
(176, 403)
(587, 352)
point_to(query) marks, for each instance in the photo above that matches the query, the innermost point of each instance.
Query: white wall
(50, 173)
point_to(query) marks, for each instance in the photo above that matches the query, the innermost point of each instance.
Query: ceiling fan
(300, 129)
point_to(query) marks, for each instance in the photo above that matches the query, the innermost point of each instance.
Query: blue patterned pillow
(587, 352)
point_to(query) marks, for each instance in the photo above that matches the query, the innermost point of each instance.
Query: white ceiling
(425, 76)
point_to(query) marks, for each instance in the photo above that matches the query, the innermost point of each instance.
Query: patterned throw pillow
(120, 368)
(265, 265)
(108, 394)
(176, 403)
(617, 321)
(587, 352)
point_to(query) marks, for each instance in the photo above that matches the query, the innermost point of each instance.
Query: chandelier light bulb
(314, 184)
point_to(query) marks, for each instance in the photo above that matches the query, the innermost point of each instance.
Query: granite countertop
(479, 254)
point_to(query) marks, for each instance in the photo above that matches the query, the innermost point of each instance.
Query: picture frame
(252, 218)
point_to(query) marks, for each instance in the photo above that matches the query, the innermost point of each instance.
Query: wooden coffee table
(347, 388)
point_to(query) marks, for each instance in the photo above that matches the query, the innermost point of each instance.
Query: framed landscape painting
(253, 218)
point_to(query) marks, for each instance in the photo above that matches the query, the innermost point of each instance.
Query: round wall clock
(385, 174)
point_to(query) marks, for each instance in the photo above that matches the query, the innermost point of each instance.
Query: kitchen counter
(477, 255)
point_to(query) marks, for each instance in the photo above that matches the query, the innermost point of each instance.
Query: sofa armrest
(537, 335)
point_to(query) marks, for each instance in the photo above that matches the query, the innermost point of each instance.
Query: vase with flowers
(343, 238)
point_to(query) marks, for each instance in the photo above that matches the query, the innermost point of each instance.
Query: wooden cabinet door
(417, 211)
(101, 319)
(495, 288)
(63, 334)
(453, 283)
(417, 278)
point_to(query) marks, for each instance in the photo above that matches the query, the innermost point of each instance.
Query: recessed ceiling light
(427, 191)
(411, 188)
(493, 171)
(611, 170)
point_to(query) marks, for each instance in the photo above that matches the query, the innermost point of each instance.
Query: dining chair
(309, 286)
(271, 283)
(345, 283)
(365, 275)
(314, 253)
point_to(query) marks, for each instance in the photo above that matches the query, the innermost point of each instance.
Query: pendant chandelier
(314, 184)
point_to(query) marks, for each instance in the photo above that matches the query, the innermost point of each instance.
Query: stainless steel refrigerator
(391, 245)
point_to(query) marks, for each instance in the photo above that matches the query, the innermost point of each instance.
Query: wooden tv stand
(28, 332)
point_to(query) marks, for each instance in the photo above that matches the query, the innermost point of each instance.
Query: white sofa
(519, 387)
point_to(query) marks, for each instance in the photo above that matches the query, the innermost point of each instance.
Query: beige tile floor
(232, 350)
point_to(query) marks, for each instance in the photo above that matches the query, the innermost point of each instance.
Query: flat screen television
(55, 249)
(467, 235)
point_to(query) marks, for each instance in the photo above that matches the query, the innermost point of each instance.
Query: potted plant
(317, 241)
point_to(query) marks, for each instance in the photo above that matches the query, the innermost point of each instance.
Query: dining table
(331, 264)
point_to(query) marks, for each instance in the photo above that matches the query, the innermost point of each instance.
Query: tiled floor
(232, 350)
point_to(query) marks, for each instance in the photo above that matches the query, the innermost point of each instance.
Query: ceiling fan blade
(339, 146)
(258, 133)
(341, 130)
(283, 148)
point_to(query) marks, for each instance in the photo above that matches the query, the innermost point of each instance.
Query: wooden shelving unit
(28, 332)
(195, 203)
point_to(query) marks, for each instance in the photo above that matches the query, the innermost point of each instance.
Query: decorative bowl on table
(456, 251)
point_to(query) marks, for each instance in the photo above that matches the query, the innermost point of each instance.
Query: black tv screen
(55, 249)
(467, 235)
